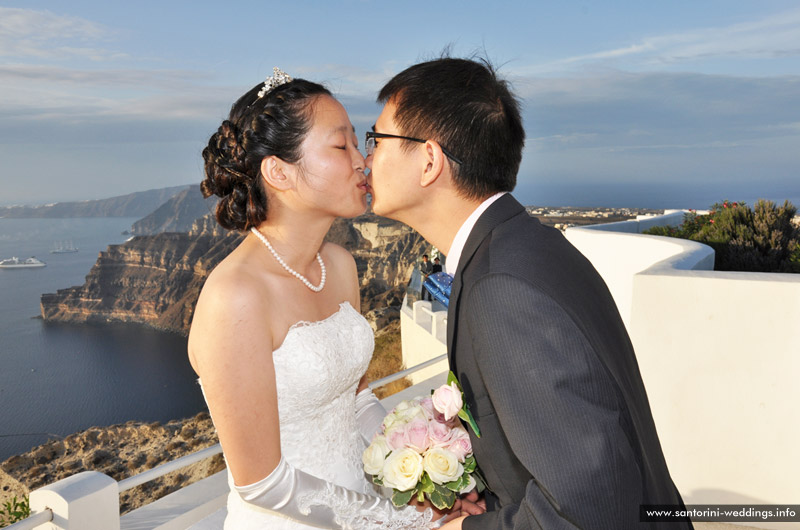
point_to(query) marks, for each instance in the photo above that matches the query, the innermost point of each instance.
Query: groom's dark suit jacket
(548, 371)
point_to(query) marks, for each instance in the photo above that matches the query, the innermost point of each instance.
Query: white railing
(169, 467)
(33, 521)
(90, 500)
(408, 371)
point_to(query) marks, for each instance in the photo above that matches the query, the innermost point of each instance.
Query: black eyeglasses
(369, 143)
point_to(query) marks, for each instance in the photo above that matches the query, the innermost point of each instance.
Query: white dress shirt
(454, 255)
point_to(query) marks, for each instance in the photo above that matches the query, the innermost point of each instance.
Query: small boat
(64, 248)
(16, 263)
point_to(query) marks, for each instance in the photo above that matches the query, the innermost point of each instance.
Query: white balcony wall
(618, 253)
(719, 354)
(423, 334)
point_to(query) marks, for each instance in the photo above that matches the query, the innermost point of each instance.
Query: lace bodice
(317, 369)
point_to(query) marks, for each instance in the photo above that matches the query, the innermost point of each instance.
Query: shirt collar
(451, 264)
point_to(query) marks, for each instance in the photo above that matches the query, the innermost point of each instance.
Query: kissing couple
(533, 334)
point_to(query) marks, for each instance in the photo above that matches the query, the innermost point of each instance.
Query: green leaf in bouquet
(451, 378)
(401, 498)
(459, 483)
(442, 498)
(377, 480)
(480, 482)
(470, 464)
(425, 483)
(466, 415)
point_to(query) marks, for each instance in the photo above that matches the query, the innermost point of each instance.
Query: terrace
(719, 354)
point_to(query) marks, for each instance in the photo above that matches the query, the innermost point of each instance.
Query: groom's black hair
(464, 106)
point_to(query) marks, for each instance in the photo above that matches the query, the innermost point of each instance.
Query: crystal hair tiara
(278, 78)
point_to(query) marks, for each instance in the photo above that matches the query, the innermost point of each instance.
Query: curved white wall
(619, 255)
(719, 353)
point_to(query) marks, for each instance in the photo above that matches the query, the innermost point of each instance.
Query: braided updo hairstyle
(272, 125)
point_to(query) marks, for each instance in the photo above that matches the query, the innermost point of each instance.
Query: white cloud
(39, 34)
(48, 92)
(774, 36)
(652, 115)
(347, 80)
(119, 78)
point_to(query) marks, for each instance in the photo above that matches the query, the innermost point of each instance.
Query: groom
(547, 368)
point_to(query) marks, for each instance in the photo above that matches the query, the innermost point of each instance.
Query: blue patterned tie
(438, 285)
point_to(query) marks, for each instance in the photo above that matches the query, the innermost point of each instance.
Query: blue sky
(654, 104)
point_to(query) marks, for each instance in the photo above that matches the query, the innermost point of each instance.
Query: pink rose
(460, 444)
(417, 436)
(427, 405)
(447, 400)
(431, 413)
(440, 433)
(396, 437)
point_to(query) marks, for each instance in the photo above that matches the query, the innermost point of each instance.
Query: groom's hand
(472, 504)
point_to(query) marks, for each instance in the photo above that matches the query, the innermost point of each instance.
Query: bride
(277, 338)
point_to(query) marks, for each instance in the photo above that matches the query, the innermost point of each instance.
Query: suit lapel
(500, 211)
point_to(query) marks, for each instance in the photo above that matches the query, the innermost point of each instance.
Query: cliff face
(175, 215)
(156, 279)
(385, 262)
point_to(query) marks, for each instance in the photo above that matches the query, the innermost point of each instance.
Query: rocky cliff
(156, 279)
(176, 215)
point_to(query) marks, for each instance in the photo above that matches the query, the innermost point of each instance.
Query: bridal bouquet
(422, 449)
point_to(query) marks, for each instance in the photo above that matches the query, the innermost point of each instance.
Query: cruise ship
(16, 263)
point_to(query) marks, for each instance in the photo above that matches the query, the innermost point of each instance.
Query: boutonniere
(448, 399)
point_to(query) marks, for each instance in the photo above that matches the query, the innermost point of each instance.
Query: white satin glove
(316, 502)
(369, 414)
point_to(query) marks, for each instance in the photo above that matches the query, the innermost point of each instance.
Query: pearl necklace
(315, 288)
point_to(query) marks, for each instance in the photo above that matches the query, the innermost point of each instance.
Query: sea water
(57, 378)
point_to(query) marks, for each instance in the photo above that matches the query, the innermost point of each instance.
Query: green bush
(14, 510)
(762, 239)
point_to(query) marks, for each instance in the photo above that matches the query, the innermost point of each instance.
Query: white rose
(404, 412)
(415, 410)
(402, 470)
(390, 420)
(442, 465)
(375, 455)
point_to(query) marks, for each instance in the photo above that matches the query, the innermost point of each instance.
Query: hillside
(177, 214)
(136, 204)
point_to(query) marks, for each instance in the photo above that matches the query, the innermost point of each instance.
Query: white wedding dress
(317, 370)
